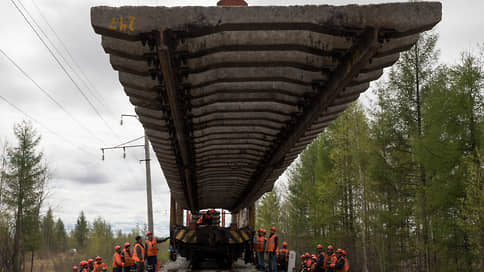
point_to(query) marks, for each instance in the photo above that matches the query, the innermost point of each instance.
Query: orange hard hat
(126, 244)
(330, 247)
(74, 268)
(98, 258)
(212, 211)
(149, 233)
(302, 256)
(314, 257)
(344, 252)
(273, 229)
(264, 231)
(284, 244)
(116, 248)
(339, 251)
(260, 230)
(307, 255)
(90, 261)
(319, 247)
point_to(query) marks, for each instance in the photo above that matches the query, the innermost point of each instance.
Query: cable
(44, 126)
(128, 142)
(50, 96)
(65, 70)
(85, 80)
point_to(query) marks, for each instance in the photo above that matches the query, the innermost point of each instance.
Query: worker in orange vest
(271, 249)
(90, 265)
(282, 258)
(339, 265)
(117, 261)
(139, 255)
(83, 266)
(152, 251)
(307, 262)
(206, 218)
(99, 266)
(127, 259)
(330, 259)
(347, 262)
(320, 267)
(259, 247)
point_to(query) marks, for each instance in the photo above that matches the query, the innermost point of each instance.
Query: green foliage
(81, 231)
(401, 188)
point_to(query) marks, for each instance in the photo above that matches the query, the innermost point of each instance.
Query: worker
(83, 266)
(307, 262)
(152, 251)
(139, 255)
(117, 261)
(347, 262)
(339, 265)
(206, 218)
(259, 246)
(282, 258)
(127, 259)
(90, 265)
(320, 267)
(271, 250)
(99, 265)
(329, 259)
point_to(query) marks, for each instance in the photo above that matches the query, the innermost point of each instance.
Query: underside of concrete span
(229, 96)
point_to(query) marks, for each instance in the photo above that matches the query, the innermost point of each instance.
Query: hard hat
(273, 229)
(344, 252)
(98, 258)
(149, 233)
(330, 247)
(116, 248)
(82, 263)
(126, 244)
(74, 268)
(90, 261)
(284, 244)
(339, 251)
(314, 256)
(264, 231)
(319, 247)
(212, 211)
(302, 256)
(260, 230)
(307, 255)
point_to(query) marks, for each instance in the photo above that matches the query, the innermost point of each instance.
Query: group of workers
(329, 261)
(127, 260)
(277, 258)
(325, 261)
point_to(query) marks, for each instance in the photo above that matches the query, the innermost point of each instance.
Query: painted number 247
(122, 25)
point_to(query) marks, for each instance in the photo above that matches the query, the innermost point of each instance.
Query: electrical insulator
(124, 152)
(103, 154)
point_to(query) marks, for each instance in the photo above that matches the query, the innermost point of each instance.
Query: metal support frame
(360, 55)
(177, 111)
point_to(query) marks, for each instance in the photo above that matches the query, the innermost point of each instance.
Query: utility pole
(149, 198)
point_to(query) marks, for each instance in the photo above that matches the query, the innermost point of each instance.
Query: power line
(128, 142)
(63, 68)
(50, 96)
(44, 126)
(85, 80)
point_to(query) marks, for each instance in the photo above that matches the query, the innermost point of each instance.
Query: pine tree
(81, 231)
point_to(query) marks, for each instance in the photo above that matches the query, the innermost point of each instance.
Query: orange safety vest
(331, 258)
(117, 263)
(139, 259)
(309, 264)
(128, 258)
(271, 247)
(259, 244)
(347, 265)
(98, 267)
(283, 252)
(152, 249)
(344, 267)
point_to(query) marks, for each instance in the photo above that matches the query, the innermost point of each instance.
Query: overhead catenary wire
(53, 132)
(64, 69)
(84, 79)
(50, 96)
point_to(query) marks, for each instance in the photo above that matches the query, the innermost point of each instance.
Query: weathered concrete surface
(181, 265)
(230, 96)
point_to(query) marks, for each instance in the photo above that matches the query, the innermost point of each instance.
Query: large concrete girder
(230, 96)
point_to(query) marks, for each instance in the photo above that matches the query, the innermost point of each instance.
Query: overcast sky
(115, 188)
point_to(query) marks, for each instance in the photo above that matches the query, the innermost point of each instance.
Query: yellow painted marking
(244, 235)
(123, 24)
(131, 22)
(180, 234)
(113, 24)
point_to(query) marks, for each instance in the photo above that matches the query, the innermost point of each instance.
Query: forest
(397, 183)
(34, 240)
